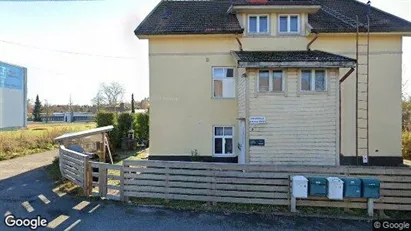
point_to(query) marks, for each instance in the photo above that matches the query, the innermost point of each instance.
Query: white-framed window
(223, 82)
(258, 24)
(271, 81)
(288, 24)
(313, 80)
(223, 140)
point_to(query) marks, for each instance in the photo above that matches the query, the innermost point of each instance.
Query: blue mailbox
(352, 187)
(370, 188)
(317, 186)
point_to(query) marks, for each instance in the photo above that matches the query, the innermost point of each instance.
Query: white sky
(100, 28)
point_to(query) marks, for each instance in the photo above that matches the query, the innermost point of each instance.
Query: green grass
(35, 139)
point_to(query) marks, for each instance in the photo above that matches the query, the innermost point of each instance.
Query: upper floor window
(270, 81)
(289, 23)
(223, 82)
(313, 80)
(258, 24)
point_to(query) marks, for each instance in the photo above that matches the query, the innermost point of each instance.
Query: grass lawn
(38, 137)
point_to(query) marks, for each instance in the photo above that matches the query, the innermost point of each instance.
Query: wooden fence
(74, 166)
(221, 182)
(258, 184)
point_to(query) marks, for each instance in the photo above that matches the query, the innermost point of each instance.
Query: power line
(68, 52)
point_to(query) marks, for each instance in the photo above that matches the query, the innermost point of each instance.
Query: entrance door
(241, 142)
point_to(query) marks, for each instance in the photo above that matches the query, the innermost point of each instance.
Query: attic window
(289, 24)
(258, 24)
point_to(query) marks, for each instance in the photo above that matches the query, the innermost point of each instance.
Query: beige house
(275, 82)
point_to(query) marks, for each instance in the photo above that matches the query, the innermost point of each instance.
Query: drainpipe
(339, 106)
(239, 43)
(312, 41)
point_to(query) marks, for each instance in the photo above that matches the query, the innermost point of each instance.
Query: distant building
(69, 117)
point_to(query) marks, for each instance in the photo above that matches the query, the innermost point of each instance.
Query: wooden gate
(107, 180)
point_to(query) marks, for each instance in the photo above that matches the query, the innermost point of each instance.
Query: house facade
(275, 82)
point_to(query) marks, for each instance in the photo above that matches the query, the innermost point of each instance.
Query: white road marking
(93, 209)
(81, 205)
(11, 188)
(44, 199)
(27, 206)
(24, 185)
(58, 192)
(7, 213)
(56, 222)
(73, 225)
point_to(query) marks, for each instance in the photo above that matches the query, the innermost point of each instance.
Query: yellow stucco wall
(183, 111)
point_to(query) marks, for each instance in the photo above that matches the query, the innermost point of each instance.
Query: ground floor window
(223, 140)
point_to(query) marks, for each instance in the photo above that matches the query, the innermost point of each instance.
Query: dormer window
(289, 24)
(258, 24)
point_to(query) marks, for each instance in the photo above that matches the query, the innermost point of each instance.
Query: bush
(406, 145)
(143, 126)
(105, 119)
(125, 120)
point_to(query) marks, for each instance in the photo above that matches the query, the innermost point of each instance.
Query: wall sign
(257, 142)
(257, 120)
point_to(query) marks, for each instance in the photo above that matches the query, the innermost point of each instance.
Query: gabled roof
(304, 58)
(275, 2)
(212, 17)
(190, 17)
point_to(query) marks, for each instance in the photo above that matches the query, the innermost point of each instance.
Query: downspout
(312, 41)
(239, 43)
(339, 107)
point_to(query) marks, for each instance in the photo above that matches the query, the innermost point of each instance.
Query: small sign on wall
(257, 142)
(257, 120)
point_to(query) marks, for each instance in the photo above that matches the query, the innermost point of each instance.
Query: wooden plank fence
(257, 184)
(222, 182)
(74, 166)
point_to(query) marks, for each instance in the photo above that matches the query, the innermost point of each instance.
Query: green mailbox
(352, 187)
(370, 188)
(317, 186)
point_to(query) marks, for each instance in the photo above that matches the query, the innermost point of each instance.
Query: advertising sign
(11, 77)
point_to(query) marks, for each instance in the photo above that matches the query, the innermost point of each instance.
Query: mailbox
(300, 187)
(317, 186)
(352, 187)
(335, 188)
(371, 188)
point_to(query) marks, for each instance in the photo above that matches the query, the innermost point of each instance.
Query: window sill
(271, 92)
(258, 35)
(224, 155)
(223, 98)
(297, 34)
(313, 92)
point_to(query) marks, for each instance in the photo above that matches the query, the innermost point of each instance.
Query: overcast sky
(33, 33)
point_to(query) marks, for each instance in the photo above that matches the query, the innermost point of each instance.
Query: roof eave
(298, 64)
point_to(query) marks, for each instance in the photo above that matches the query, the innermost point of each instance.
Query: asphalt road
(64, 212)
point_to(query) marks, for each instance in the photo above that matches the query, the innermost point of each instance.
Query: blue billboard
(12, 77)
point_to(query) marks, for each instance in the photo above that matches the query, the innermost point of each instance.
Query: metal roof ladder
(362, 92)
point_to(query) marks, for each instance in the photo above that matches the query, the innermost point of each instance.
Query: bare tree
(113, 93)
(99, 99)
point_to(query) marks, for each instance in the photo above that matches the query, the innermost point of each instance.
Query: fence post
(167, 184)
(88, 179)
(122, 198)
(214, 187)
(370, 207)
(102, 179)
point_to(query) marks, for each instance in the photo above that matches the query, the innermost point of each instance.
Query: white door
(241, 142)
